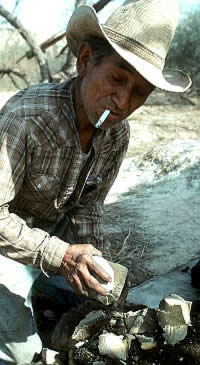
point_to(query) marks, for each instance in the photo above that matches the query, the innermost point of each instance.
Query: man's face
(112, 84)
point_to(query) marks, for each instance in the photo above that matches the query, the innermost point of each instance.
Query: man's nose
(122, 98)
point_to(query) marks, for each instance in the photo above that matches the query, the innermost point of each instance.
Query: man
(56, 167)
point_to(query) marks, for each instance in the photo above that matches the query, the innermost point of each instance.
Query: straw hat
(141, 32)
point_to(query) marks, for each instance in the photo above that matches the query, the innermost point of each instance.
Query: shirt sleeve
(87, 218)
(17, 241)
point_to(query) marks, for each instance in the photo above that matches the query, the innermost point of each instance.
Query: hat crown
(140, 31)
(153, 27)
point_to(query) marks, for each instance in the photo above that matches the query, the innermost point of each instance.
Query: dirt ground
(164, 118)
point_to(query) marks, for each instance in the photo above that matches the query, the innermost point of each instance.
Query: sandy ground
(164, 118)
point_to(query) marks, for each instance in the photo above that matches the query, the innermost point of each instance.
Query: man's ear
(84, 58)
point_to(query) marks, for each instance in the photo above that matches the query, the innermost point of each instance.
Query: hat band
(135, 47)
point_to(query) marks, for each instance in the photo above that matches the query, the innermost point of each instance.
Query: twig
(143, 250)
(13, 81)
(128, 235)
(10, 72)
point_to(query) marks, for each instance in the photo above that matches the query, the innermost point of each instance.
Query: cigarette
(102, 118)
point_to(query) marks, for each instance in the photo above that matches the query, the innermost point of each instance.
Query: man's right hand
(79, 269)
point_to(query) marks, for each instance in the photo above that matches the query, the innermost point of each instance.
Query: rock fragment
(174, 318)
(50, 357)
(113, 346)
(83, 330)
(147, 342)
(118, 274)
(141, 321)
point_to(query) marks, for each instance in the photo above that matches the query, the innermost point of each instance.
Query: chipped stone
(174, 318)
(147, 342)
(79, 344)
(50, 357)
(129, 339)
(113, 322)
(118, 273)
(141, 321)
(113, 346)
(83, 330)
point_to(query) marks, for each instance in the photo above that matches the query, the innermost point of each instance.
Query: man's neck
(85, 129)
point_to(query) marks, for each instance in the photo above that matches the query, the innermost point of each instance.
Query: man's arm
(35, 246)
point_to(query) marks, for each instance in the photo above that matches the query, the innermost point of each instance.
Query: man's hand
(79, 269)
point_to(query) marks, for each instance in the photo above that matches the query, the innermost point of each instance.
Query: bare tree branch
(27, 36)
(101, 4)
(13, 81)
(46, 44)
(10, 72)
(62, 51)
(16, 5)
(57, 37)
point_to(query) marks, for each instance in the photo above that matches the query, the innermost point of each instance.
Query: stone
(113, 346)
(147, 342)
(174, 318)
(142, 321)
(120, 274)
(50, 357)
(83, 330)
(106, 267)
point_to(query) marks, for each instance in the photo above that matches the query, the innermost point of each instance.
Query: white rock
(174, 318)
(106, 266)
(147, 342)
(113, 346)
(50, 357)
(118, 274)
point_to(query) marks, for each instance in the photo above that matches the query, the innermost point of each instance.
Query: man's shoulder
(38, 99)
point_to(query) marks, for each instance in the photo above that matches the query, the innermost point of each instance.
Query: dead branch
(28, 37)
(62, 51)
(13, 81)
(10, 72)
(16, 5)
(59, 36)
(101, 4)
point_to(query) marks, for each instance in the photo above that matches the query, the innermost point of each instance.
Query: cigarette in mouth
(102, 118)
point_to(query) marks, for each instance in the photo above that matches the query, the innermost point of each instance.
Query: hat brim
(84, 22)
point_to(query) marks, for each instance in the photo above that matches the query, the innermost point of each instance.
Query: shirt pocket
(43, 186)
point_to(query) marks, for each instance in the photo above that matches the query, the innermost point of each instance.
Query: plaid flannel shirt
(42, 175)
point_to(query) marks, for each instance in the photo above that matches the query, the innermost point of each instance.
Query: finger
(97, 271)
(93, 284)
(79, 286)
